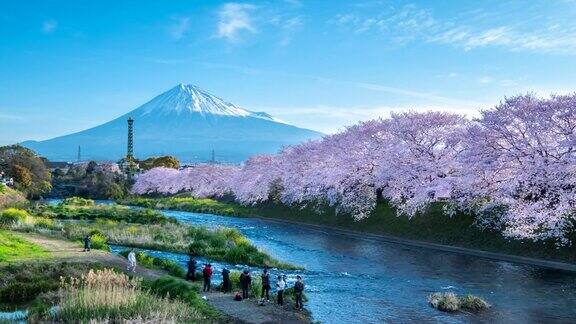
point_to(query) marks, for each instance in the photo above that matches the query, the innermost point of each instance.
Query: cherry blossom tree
(520, 156)
(423, 164)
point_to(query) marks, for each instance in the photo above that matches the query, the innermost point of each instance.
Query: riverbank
(67, 259)
(144, 228)
(432, 229)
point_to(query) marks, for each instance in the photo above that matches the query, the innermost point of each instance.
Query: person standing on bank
(265, 285)
(191, 274)
(87, 243)
(132, 261)
(245, 281)
(207, 274)
(280, 286)
(299, 291)
(226, 284)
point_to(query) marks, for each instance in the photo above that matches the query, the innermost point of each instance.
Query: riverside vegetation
(430, 226)
(144, 228)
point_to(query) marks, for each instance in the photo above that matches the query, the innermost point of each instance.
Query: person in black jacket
(191, 274)
(226, 284)
(87, 243)
(299, 291)
(265, 285)
(245, 281)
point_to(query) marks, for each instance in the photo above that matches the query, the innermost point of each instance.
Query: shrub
(44, 222)
(473, 304)
(77, 201)
(255, 287)
(99, 242)
(450, 302)
(12, 216)
(184, 291)
(22, 283)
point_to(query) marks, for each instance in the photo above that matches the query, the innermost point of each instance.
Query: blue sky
(69, 65)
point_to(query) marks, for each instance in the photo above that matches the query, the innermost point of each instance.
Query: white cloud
(233, 19)
(179, 28)
(49, 26)
(527, 30)
(485, 80)
(287, 28)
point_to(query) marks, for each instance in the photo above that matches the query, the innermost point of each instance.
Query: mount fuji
(186, 122)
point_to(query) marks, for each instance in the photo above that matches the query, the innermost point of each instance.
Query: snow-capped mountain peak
(186, 98)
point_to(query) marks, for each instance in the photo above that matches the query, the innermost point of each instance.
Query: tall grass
(91, 212)
(189, 204)
(104, 295)
(222, 244)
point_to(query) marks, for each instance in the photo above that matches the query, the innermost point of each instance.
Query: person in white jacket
(132, 261)
(280, 286)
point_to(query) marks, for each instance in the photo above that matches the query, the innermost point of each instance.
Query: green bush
(12, 216)
(184, 291)
(255, 286)
(77, 201)
(24, 282)
(99, 242)
(44, 222)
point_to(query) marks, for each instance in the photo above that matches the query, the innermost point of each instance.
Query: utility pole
(79, 154)
(213, 160)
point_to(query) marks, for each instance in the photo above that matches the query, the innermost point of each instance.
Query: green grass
(89, 212)
(206, 206)
(14, 248)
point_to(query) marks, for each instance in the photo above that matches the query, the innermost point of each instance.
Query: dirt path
(62, 251)
(248, 311)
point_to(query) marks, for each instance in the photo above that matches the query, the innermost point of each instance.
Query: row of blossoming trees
(513, 167)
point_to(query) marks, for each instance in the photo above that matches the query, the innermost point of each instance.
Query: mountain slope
(186, 122)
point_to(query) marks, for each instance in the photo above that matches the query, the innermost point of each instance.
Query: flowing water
(350, 279)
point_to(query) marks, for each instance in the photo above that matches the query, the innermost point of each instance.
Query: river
(350, 279)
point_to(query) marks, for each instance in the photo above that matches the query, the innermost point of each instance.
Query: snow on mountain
(190, 98)
(184, 121)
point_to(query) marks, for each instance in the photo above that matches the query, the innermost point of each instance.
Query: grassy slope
(9, 197)
(432, 226)
(14, 248)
